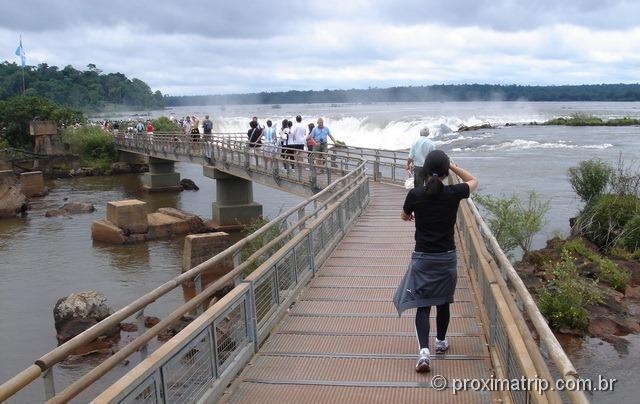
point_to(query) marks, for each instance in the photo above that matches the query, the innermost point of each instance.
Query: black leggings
(422, 323)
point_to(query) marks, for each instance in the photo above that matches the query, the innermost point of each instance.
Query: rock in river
(75, 313)
(188, 185)
(12, 200)
(71, 209)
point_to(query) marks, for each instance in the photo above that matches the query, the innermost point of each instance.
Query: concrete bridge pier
(161, 176)
(234, 199)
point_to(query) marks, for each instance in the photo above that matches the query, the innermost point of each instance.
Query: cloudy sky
(211, 47)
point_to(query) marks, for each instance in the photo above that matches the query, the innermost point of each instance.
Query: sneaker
(441, 346)
(424, 362)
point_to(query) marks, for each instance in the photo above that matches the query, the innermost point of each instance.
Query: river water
(43, 259)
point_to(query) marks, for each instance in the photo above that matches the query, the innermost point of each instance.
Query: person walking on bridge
(431, 277)
(419, 150)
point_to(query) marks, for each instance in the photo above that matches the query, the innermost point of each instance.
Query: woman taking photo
(431, 277)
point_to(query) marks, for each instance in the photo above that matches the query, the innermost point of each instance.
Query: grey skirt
(430, 280)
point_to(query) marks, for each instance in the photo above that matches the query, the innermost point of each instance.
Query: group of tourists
(291, 139)
(431, 277)
(191, 126)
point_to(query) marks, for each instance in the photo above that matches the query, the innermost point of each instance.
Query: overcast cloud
(210, 47)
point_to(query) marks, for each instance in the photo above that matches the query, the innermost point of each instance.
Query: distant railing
(320, 220)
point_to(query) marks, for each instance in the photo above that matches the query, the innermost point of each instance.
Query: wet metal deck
(342, 340)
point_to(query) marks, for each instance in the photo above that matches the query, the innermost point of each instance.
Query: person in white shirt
(298, 137)
(417, 155)
(285, 137)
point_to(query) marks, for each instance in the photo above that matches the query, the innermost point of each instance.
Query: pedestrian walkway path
(342, 340)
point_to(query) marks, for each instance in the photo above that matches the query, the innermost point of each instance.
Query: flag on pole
(20, 52)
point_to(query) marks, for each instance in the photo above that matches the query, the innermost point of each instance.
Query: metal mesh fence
(266, 296)
(286, 275)
(145, 393)
(230, 331)
(187, 374)
(303, 258)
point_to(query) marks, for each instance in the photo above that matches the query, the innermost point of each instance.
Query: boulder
(12, 200)
(188, 185)
(71, 209)
(151, 321)
(103, 230)
(196, 224)
(120, 167)
(77, 312)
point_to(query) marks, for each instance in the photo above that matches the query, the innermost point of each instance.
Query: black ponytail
(436, 167)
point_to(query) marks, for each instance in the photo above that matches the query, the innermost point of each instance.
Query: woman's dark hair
(268, 122)
(436, 165)
(289, 124)
(285, 123)
(253, 124)
(311, 126)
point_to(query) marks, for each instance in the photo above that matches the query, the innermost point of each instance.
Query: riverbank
(583, 291)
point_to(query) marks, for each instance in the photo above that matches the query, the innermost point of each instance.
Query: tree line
(88, 90)
(444, 92)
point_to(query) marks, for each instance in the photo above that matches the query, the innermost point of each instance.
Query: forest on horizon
(443, 92)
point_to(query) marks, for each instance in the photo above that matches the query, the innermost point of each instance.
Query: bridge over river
(310, 317)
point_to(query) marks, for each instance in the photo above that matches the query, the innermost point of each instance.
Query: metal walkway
(342, 340)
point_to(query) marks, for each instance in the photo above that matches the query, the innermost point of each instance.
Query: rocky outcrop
(77, 312)
(12, 201)
(464, 128)
(188, 185)
(120, 167)
(71, 208)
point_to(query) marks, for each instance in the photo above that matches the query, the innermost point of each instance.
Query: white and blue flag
(20, 52)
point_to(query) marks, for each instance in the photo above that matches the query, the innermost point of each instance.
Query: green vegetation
(165, 125)
(463, 92)
(94, 146)
(590, 178)
(608, 271)
(88, 90)
(17, 112)
(603, 218)
(513, 222)
(585, 120)
(631, 234)
(564, 298)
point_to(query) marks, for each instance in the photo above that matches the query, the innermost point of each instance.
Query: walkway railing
(308, 232)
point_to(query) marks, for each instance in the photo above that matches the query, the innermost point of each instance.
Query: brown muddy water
(43, 259)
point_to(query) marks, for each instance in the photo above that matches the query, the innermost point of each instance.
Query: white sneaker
(424, 362)
(441, 346)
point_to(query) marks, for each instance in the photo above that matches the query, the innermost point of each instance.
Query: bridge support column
(161, 176)
(234, 199)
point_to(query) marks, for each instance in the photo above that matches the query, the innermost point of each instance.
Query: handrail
(525, 300)
(58, 354)
(494, 262)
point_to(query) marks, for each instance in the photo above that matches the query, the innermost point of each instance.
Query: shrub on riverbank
(604, 218)
(590, 178)
(563, 299)
(607, 271)
(512, 221)
(94, 146)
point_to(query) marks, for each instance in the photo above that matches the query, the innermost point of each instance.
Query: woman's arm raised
(465, 176)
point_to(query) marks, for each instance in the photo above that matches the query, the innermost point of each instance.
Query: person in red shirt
(149, 128)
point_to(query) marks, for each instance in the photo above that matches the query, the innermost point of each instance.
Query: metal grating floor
(342, 340)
